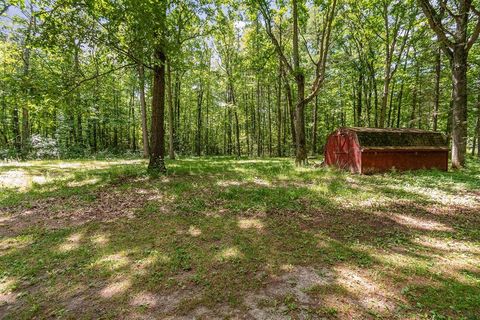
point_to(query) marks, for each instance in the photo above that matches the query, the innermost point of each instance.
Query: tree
(453, 31)
(296, 71)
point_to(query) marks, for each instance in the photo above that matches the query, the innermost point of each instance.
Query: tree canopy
(233, 77)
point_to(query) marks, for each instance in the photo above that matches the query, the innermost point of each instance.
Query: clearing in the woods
(229, 238)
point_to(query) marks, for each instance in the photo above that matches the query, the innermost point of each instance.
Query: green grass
(90, 239)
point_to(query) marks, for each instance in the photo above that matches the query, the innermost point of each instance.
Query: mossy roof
(374, 137)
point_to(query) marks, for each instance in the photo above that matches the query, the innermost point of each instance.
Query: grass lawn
(227, 238)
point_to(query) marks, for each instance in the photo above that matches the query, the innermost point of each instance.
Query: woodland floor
(247, 239)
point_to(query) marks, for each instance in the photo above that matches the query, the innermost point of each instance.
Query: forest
(259, 78)
(166, 159)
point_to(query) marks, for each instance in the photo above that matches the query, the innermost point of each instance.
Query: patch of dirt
(270, 302)
(55, 213)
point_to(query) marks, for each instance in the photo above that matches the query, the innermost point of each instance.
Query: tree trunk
(279, 113)
(157, 152)
(413, 115)
(459, 112)
(143, 106)
(438, 65)
(301, 152)
(478, 120)
(315, 125)
(292, 113)
(237, 133)
(16, 130)
(198, 136)
(171, 116)
(399, 108)
(359, 101)
(269, 111)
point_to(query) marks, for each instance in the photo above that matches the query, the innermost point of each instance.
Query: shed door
(342, 149)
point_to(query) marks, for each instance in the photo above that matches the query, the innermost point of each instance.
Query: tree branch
(268, 27)
(476, 30)
(436, 25)
(78, 84)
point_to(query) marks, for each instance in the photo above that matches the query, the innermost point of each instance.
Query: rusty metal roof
(392, 137)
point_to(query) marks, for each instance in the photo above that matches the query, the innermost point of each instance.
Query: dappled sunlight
(21, 179)
(419, 223)
(5, 220)
(227, 183)
(7, 287)
(83, 182)
(194, 231)
(398, 259)
(259, 161)
(116, 287)
(142, 266)
(447, 245)
(144, 299)
(9, 244)
(447, 198)
(261, 182)
(113, 261)
(230, 253)
(72, 242)
(250, 223)
(458, 266)
(278, 241)
(288, 267)
(100, 239)
(370, 293)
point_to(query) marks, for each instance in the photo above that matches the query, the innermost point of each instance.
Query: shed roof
(375, 137)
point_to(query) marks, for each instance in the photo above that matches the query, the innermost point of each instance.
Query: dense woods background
(243, 78)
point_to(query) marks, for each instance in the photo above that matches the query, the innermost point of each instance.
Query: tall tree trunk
(279, 113)
(143, 106)
(301, 152)
(399, 107)
(157, 152)
(459, 112)
(478, 119)
(198, 135)
(28, 89)
(269, 112)
(315, 125)
(207, 122)
(438, 65)
(16, 130)
(291, 112)
(413, 115)
(237, 133)
(134, 131)
(171, 116)
(259, 120)
(359, 122)
(390, 107)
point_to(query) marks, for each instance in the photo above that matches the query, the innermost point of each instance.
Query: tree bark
(459, 112)
(478, 119)
(301, 152)
(157, 146)
(436, 105)
(143, 106)
(16, 130)
(198, 135)
(314, 129)
(171, 116)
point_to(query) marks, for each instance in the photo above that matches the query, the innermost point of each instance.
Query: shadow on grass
(237, 231)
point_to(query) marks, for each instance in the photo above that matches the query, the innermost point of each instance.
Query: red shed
(368, 150)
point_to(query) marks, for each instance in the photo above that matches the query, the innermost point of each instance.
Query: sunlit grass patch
(215, 234)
